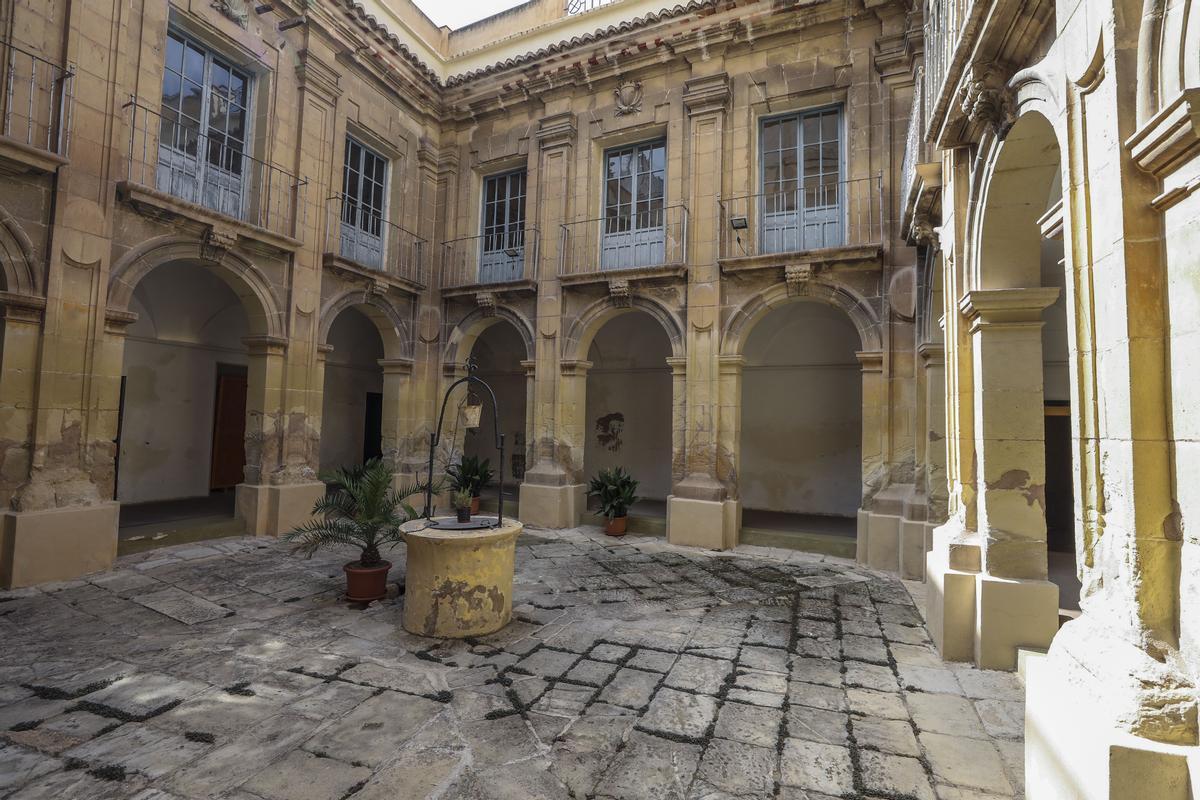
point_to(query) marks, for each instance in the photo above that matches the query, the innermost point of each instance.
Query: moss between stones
(199, 736)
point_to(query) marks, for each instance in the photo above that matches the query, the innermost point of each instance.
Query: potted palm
(615, 490)
(361, 508)
(471, 475)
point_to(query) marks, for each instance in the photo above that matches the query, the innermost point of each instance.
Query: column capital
(396, 366)
(678, 364)
(731, 365)
(30, 308)
(1006, 306)
(706, 95)
(265, 345)
(871, 360)
(323, 351)
(530, 366)
(574, 367)
(932, 352)
(556, 130)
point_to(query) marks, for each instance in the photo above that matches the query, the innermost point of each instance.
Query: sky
(457, 13)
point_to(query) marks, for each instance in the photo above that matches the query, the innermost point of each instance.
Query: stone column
(273, 499)
(678, 365)
(397, 422)
(729, 435)
(1016, 606)
(552, 492)
(878, 543)
(530, 367)
(698, 511)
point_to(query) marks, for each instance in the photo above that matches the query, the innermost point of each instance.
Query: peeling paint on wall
(608, 431)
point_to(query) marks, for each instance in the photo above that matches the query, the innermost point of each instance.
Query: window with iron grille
(502, 258)
(364, 193)
(634, 197)
(802, 203)
(204, 128)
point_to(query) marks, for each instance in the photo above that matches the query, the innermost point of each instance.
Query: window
(204, 128)
(364, 185)
(633, 224)
(503, 255)
(801, 203)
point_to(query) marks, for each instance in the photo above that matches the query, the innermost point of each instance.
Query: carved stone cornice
(1009, 307)
(556, 130)
(23, 307)
(707, 95)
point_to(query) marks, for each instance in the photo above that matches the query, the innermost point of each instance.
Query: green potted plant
(615, 490)
(462, 505)
(360, 508)
(471, 475)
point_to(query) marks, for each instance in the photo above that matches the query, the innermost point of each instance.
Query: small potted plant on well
(361, 508)
(462, 505)
(615, 490)
(471, 475)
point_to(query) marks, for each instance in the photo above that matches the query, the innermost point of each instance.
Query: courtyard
(632, 669)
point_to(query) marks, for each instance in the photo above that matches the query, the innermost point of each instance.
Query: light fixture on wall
(512, 252)
(263, 8)
(739, 223)
(291, 22)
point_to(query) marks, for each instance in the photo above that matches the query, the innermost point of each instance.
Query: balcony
(826, 222)
(363, 243)
(173, 170)
(646, 243)
(921, 176)
(492, 262)
(36, 105)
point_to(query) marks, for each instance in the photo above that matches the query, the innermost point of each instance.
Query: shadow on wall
(628, 419)
(801, 447)
(351, 406)
(498, 353)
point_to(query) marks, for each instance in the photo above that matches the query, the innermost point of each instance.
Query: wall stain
(1018, 480)
(608, 431)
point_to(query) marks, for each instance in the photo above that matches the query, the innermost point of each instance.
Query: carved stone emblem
(629, 98)
(236, 10)
(987, 99)
(798, 276)
(619, 292)
(216, 243)
(486, 301)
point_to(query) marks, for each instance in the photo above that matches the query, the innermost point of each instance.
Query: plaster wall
(351, 371)
(189, 322)
(802, 413)
(630, 377)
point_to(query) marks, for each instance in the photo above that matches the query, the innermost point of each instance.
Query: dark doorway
(373, 427)
(229, 428)
(1060, 509)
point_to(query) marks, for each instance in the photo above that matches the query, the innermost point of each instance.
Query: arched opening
(182, 412)
(628, 417)
(498, 352)
(352, 401)
(1021, 246)
(800, 467)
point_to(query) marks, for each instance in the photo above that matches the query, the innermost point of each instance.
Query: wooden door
(229, 432)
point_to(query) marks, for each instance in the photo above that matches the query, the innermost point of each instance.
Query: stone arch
(1016, 177)
(383, 315)
(583, 329)
(744, 318)
(16, 257)
(1170, 30)
(247, 281)
(462, 338)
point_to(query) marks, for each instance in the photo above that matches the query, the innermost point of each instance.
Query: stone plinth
(459, 583)
(56, 544)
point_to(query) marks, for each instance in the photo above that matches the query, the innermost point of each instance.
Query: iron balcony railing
(655, 237)
(37, 100)
(583, 6)
(914, 143)
(814, 217)
(175, 158)
(358, 234)
(945, 21)
(489, 259)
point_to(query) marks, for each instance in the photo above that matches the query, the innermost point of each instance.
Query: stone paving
(632, 670)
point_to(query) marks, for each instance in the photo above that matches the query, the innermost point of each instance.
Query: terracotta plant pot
(366, 584)
(616, 526)
(464, 514)
(475, 504)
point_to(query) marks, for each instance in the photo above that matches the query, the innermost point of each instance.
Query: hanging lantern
(472, 412)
